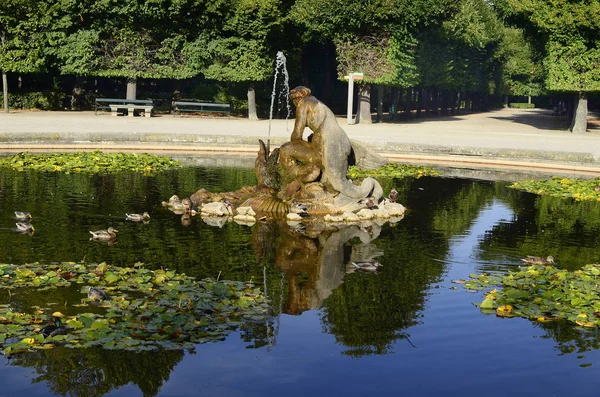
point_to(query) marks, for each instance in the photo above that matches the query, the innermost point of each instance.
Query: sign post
(351, 77)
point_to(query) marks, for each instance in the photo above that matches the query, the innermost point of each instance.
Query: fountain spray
(280, 63)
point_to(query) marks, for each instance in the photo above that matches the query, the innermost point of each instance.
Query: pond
(405, 330)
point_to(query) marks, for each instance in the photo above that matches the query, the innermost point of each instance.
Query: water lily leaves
(578, 189)
(148, 309)
(89, 162)
(393, 170)
(543, 293)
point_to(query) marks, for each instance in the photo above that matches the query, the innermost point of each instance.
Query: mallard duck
(97, 295)
(366, 266)
(104, 235)
(22, 216)
(54, 328)
(24, 227)
(137, 217)
(538, 260)
(370, 203)
(393, 195)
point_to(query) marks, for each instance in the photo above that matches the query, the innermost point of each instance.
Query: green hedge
(521, 105)
(35, 100)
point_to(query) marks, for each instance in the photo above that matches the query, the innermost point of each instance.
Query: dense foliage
(89, 162)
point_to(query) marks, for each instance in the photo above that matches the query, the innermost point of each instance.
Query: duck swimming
(538, 260)
(24, 227)
(137, 217)
(104, 235)
(97, 295)
(22, 216)
(54, 328)
(365, 266)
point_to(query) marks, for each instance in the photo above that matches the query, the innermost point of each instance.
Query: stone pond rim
(480, 140)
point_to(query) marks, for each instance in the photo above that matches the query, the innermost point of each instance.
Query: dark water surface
(403, 331)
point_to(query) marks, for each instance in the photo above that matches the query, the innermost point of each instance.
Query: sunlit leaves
(578, 189)
(543, 293)
(146, 309)
(89, 162)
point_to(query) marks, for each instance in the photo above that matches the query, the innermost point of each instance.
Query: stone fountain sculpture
(311, 171)
(314, 171)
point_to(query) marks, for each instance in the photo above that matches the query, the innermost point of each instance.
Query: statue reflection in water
(314, 257)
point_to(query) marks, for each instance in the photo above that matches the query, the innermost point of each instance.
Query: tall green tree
(26, 31)
(136, 39)
(569, 32)
(375, 37)
(243, 51)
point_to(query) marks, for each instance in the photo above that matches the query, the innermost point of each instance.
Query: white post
(350, 97)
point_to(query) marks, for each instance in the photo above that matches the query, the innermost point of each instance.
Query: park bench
(117, 105)
(201, 107)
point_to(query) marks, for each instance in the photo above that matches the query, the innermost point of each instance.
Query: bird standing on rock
(299, 208)
(393, 195)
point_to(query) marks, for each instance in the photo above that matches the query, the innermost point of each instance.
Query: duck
(538, 260)
(24, 227)
(229, 206)
(365, 266)
(97, 295)
(370, 203)
(137, 217)
(22, 216)
(393, 196)
(54, 328)
(104, 235)
(299, 208)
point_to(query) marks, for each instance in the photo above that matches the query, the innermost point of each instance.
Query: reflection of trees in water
(567, 229)
(570, 339)
(95, 372)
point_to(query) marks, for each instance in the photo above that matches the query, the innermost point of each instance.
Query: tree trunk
(364, 104)
(252, 104)
(5, 91)
(579, 120)
(380, 89)
(131, 88)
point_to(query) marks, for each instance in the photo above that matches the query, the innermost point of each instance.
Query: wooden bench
(117, 105)
(201, 107)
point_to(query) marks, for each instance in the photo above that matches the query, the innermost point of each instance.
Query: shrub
(521, 105)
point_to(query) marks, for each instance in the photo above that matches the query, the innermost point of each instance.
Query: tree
(375, 37)
(243, 50)
(569, 33)
(136, 39)
(24, 37)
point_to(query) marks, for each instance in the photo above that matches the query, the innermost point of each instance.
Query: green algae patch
(143, 310)
(89, 162)
(542, 293)
(393, 171)
(578, 189)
